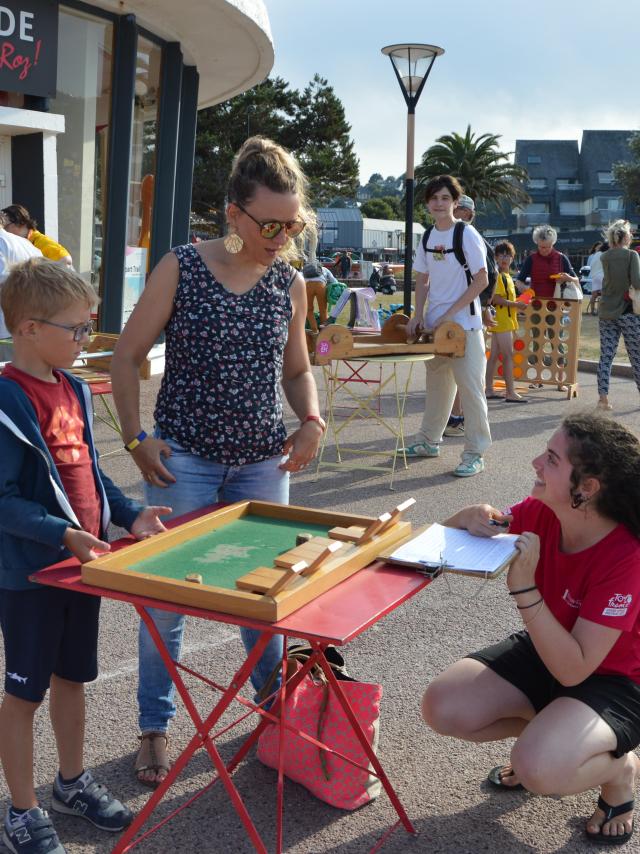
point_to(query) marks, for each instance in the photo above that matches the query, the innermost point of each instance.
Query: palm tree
(476, 161)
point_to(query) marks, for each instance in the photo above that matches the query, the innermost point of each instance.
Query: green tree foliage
(311, 124)
(384, 207)
(323, 145)
(477, 162)
(628, 174)
(379, 187)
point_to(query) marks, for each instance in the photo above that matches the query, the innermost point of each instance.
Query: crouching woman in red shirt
(567, 686)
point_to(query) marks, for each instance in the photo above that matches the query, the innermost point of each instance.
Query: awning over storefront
(228, 40)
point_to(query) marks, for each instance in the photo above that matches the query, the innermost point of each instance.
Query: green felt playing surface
(225, 554)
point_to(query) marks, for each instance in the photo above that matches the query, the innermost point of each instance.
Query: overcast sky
(541, 70)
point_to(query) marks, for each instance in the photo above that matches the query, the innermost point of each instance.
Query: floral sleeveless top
(220, 396)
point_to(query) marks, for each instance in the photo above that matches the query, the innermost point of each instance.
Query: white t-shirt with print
(447, 279)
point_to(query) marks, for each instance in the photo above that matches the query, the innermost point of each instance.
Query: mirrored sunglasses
(272, 228)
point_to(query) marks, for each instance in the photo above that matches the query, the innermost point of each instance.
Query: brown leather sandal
(153, 765)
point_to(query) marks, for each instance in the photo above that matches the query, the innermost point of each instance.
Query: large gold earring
(233, 243)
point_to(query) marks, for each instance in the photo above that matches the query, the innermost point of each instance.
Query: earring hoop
(233, 243)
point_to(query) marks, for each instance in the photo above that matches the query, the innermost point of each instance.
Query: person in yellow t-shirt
(507, 308)
(22, 223)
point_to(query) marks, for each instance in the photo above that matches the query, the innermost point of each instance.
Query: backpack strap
(425, 237)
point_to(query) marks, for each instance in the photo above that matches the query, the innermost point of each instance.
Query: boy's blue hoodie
(34, 509)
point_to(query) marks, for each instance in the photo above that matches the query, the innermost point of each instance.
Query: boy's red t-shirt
(600, 584)
(61, 423)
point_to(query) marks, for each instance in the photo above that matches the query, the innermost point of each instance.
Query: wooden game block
(396, 514)
(194, 578)
(286, 577)
(307, 552)
(351, 534)
(373, 528)
(324, 555)
(259, 580)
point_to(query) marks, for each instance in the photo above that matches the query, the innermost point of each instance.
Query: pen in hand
(498, 524)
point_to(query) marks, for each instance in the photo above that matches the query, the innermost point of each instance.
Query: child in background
(507, 308)
(24, 225)
(54, 502)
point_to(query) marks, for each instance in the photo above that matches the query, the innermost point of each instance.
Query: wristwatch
(317, 418)
(137, 440)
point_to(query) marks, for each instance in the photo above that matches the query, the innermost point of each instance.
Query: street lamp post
(412, 64)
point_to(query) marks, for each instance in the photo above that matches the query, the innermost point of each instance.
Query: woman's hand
(413, 325)
(148, 457)
(523, 568)
(147, 522)
(481, 520)
(302, 446)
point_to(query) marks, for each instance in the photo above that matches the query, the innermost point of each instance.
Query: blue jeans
(200, 482)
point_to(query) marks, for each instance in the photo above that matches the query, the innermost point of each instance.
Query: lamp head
(412, 64)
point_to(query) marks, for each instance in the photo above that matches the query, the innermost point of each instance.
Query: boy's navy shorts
(48, 631)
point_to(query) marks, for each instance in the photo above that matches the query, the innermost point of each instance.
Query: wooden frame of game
(546, 345)
(265, 593)
(338, 342)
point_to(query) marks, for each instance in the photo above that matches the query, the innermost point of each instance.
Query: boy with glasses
(54, 502)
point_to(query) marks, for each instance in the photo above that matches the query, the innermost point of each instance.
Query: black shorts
(48, 631)
(615, 698)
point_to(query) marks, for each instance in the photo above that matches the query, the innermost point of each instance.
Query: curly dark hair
(602, 448)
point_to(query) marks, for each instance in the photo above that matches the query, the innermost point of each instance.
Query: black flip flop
(514, 400)
(496, 778)
(495, 397)
(609, 813)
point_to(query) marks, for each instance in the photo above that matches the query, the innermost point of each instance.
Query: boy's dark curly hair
(602, 448)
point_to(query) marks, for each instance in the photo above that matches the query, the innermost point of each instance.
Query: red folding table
(335, 618)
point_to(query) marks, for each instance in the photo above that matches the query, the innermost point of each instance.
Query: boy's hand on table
(148, 457)
(83, 545)
(147, 522)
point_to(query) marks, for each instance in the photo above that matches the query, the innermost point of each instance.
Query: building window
(533, 159)
(571, 208)
(567, 184)
(537, 208)
(142, 169)
(83, 97)
(537, 184)
(609, 204)
(605, 177)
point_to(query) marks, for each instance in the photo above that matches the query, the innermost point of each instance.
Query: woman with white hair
(621, 269)
(546, 266)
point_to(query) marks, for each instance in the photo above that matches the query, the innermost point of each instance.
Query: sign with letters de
(29, 46)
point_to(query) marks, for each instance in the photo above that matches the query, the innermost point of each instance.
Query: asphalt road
(440, 781)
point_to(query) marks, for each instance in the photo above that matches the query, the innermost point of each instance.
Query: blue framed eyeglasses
(79, 331)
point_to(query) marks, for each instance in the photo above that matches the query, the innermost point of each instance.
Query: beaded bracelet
(524, 590)
(524, 607)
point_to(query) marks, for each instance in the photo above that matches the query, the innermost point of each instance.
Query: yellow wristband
(133, 444)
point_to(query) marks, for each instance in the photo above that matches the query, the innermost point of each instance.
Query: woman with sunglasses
(233, 313)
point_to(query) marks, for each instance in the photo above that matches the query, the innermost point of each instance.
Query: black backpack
(492, 271)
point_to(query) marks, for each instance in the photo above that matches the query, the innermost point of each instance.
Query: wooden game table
(336, 617)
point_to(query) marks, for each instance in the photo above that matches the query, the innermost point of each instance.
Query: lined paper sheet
(458, 549)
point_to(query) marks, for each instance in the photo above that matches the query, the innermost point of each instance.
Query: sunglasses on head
(271, 228)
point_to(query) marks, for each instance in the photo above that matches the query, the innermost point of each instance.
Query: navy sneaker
(93, 801)
(32, 832)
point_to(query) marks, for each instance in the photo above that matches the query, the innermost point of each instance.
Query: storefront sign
(135, 274)
(29, 46)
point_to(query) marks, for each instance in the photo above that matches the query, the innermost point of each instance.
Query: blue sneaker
(469, 465)
(421, 449)
(93, 801)
(31, 832)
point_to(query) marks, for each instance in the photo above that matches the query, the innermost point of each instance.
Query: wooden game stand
(265, 593)
(338, 342)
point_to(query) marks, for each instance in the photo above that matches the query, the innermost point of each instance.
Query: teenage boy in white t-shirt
(441, 288)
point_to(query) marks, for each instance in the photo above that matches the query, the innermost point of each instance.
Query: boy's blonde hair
(41, 288)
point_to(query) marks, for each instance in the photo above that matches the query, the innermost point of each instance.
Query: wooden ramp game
(338, 342)
(253, 559)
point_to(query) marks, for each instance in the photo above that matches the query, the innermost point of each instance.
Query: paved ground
(440, 781)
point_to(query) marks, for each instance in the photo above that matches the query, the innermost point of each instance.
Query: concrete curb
(617, 370)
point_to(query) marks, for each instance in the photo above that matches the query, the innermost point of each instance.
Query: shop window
(142, 170)
(83, 97)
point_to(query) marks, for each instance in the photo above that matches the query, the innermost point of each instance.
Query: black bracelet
(524, 590)
(524, 607)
